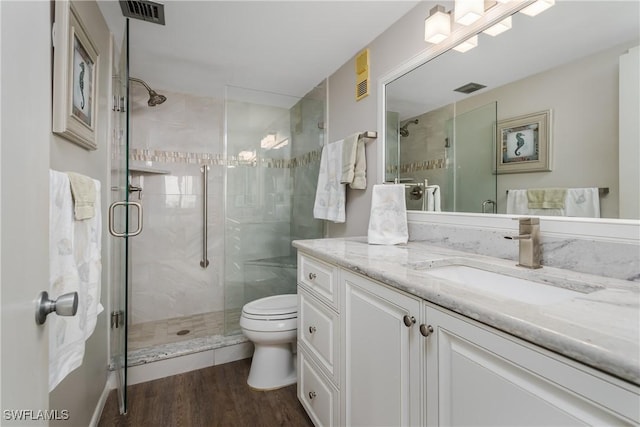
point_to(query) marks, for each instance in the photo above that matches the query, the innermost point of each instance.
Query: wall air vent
(144, 10)
(362, 74)
(469, 88)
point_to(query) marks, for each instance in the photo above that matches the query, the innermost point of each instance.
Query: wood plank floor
(215, 396)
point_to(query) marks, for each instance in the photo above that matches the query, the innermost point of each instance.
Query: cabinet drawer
(320, 277)
(318, 331)
(316, 393)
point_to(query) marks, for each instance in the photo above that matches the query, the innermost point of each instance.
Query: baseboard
(189, 362)
(97, 413)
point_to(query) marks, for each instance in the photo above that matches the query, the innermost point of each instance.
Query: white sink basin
(501, 285)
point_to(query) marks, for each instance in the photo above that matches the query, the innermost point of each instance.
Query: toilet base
(272, 367)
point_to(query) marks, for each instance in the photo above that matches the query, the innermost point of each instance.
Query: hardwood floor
(215, 396)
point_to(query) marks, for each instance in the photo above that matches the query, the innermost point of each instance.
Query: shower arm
(133, 79)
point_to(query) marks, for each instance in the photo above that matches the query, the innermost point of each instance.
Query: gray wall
(400, 42)
(80, 391)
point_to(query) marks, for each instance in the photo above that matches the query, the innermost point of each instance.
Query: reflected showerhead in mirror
(154, 97)
(404, 131)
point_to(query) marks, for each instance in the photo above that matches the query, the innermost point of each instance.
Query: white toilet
(271, 324)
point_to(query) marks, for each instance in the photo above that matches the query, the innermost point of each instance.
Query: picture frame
(76, 62)
(524, 144)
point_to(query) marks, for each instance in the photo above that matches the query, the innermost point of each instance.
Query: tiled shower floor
(166, 331)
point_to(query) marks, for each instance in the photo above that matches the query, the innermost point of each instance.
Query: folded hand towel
(583, 202)
(546, 198)
(518, 204)
(330, 193)
(432, 194)
(84, 195)
(354, 163)
(388, 219)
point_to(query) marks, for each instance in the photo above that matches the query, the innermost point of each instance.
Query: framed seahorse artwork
(524, 143)
(75, 73)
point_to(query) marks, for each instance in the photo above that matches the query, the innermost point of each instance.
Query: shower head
(154, 97)
(404, 131)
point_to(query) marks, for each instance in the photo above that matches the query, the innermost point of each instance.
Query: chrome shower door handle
(112, 229)
(489, 202)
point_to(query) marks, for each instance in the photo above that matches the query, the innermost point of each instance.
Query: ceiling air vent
(469, 88)
(144, 10)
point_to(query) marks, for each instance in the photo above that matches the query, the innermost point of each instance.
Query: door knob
(408, 321)
(426, 330)
(65, 305)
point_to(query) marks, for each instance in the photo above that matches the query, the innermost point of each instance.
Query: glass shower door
(273, 145)
(474, 160)
(119, 221)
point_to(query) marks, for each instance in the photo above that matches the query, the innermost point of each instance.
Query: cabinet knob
(312, 329)
(312, 394)
(312, 276)
(408, 321)
(426, 330)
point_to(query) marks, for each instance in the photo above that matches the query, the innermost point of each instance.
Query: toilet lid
(271, 306)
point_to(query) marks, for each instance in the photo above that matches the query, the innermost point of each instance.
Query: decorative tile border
(418, 166)
(160, 156)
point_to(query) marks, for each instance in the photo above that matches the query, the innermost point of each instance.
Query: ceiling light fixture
(467, 45)
(467, 12)
(437, 26)
(538, 7)
(500, 27)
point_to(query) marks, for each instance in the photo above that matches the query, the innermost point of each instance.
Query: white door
(24, 203)
(381, 384)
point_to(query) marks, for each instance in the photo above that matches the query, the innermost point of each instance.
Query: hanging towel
(433, 198)
(518, 204)
(388, 219)
(84, 195)
(546, 198)
(74, 266)
(330, 193)
(583, 202)
(354, 162)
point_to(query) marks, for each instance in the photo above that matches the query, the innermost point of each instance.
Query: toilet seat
(277, 307)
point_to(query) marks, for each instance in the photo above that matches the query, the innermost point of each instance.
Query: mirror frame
(602, 229)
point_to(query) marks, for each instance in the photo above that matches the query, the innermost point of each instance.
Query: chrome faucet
(529, 242)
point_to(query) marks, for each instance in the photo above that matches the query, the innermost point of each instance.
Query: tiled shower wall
(177, 136)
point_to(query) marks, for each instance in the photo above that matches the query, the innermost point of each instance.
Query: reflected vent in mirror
(469, 88)
(144, 10)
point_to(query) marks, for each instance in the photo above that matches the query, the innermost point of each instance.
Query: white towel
(432, 194)
(330, 193)
(583, 202)
(354, 162)
(388, 219)
(74, 266)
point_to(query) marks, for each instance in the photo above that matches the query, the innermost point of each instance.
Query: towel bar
(603, 191)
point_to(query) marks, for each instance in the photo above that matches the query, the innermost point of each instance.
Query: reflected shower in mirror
(574, 65)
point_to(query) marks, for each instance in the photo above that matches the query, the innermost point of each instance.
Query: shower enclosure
(262, 151)
(446, 149)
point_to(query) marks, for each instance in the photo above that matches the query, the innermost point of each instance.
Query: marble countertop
(599, 327)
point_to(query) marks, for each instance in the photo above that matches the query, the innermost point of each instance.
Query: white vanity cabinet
(476, 375)
(318, 340)
(381, 354)
(378, 356)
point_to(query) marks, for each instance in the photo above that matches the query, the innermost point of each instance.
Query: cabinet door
(381, 358)
(477, 376)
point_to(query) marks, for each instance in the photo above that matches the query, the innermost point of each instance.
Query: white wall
(397, 44)
(629, 134)
(80, 391)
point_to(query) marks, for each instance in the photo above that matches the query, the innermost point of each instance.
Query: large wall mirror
(550, 104)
